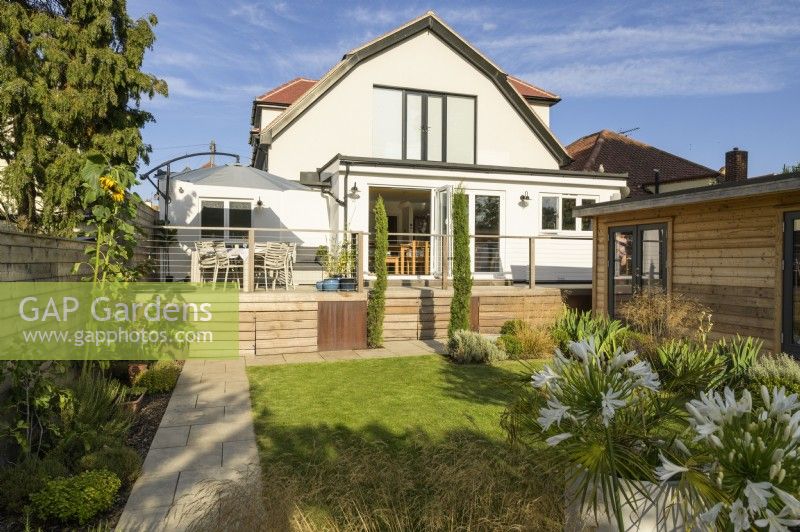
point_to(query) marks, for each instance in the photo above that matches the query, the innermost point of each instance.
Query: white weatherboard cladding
(557, 259)
(340, 121)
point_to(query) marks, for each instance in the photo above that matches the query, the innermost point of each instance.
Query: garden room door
(790, 333)
(637, 260)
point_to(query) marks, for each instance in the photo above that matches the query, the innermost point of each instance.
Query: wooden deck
(299, 321)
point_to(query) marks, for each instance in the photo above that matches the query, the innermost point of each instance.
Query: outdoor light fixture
(354, 192)
(180, 190)
(259, 203)
(524, 199)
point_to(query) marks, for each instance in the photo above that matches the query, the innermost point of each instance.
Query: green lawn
(393, 444)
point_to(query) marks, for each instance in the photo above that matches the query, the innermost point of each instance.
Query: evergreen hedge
(377, 296)
(462, 275)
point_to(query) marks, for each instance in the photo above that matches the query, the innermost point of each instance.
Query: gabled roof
(288, 93)
(427, 22)
(618, 154)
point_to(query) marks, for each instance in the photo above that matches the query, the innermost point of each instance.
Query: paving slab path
(207, 434)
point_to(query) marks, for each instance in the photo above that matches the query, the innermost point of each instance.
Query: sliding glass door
(637, 260)
(791, 284)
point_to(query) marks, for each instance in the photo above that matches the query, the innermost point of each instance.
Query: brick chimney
(735, 165)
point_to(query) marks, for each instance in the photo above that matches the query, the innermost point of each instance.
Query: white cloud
(162, 57)
(659, 77)
(183, 89)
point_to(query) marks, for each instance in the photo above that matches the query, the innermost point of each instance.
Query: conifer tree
(377, 296)
(70, 84)
(462, 274)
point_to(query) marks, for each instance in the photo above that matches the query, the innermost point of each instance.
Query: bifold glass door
(444, 218)
(487, 230)
(791, 284)
(637, 260)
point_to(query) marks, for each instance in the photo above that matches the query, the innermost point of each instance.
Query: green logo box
(118, 321)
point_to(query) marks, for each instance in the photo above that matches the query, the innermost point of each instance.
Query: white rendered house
(409, 117)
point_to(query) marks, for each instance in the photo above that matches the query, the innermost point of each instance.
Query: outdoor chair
(286, 276)
(227, 263)
(272, 259)
(206, 258)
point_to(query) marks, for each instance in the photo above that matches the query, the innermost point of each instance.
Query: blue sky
(696, 78)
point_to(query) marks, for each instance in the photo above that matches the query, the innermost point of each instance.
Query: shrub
(686, 366)
(17, 482)
(511, 344)
(95, 417)
(161, 377)
(662, 315)
(512, 327)
(740, 354)
(377, 296)
(575, 326)
(519, 339)
(77, 498)
(124, 462)
(467, 347)
(462, 277)
(775, 372)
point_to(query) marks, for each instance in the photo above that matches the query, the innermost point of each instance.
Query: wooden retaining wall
(278, 322)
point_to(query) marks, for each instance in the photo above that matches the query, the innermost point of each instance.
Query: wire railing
(286, 258)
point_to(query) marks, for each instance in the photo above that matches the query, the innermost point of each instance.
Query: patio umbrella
(236, 175)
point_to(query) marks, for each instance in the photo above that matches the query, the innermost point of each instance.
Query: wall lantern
(354, 192)
(524, 199)
(259, 203)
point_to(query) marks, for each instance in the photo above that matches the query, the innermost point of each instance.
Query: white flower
(620, 359)
(740, 519)
(583, 349)
(553, 413)
(709, 517)
(645, 377)
(668, 469)
(543, 378)
(552, 441)
(682, 447)
(782, 403)
(777, 523)
(792, 505)
(757, 494)
(610, 403)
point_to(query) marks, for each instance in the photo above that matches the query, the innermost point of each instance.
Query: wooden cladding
(726, 254)
(341, 325)
(277, 323)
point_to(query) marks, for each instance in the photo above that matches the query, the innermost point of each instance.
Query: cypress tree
(70, 72)
(377, 296)
(462, 274)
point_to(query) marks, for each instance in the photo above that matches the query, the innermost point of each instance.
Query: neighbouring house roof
(618, 153)
(517, 92)
(236, 175)
(286, 94)
(755, 186)
(532, 92)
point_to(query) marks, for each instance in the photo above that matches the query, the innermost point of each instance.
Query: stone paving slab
(206, 434)
(398, 348)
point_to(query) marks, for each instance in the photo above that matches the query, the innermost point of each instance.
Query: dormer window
(423, 126)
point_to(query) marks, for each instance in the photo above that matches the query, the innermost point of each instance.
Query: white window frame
(559, 220)
(226, 214)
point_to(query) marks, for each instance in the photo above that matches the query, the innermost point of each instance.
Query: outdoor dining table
(240, 252)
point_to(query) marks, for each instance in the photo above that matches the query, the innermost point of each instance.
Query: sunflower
(107, 183)
(118, 195)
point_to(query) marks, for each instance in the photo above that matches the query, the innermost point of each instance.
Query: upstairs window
(423, 126)
(558, 213)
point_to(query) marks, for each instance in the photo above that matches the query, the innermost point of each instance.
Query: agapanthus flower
(621, 359)
(792, 505)
(668, 469)
(740, 518)
(554, 412)
(645, 377)
(544, 377)
(610, 403)
(552, 441)
(757, 494)
(776, 522)
(709, 517)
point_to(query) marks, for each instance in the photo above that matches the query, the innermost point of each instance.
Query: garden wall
(31, 257)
